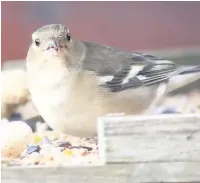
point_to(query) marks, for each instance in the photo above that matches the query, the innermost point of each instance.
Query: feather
(119, 70)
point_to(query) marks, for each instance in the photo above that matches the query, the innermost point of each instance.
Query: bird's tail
(185, 76)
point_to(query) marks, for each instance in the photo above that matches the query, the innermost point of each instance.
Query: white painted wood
(159, 138)
(112, 173)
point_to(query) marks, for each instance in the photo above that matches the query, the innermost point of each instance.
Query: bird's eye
(37, 42)
(68, 37)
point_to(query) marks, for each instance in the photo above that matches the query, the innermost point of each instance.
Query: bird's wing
(119, 70)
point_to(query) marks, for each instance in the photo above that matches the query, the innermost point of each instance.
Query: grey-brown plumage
(72, 83)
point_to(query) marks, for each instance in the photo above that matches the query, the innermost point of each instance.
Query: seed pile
(51, 148)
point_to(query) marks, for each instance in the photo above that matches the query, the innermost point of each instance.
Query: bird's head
(54, 42)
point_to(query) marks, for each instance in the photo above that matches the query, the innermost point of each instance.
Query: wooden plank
(112, 173)
(158, 138)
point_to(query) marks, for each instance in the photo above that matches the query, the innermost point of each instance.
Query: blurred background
(167, 29)
(127, 25)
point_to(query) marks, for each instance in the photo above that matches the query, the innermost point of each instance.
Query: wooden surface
(112, 173)
(162, 138)
(133, 149)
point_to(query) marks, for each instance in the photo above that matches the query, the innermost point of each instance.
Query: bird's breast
(62, 94)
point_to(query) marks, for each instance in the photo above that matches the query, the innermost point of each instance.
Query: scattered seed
(37, 139)
(78, 147)
(64, 144)
(32, 148)
(68, 152)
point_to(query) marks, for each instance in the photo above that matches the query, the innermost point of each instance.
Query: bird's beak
(52, 47)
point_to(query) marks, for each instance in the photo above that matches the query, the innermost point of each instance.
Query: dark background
(127, 25)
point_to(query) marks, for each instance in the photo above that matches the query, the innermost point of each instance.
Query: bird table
(157, 148)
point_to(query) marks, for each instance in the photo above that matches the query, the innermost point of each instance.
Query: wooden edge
(101, 140)
(143, 138)
(115, 117)
(118, 173)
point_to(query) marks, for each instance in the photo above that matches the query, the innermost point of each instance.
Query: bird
(72, 83)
